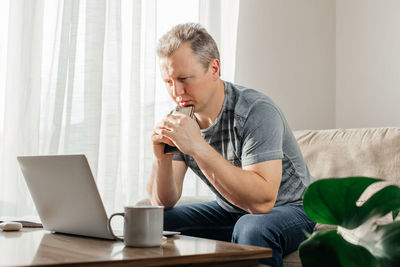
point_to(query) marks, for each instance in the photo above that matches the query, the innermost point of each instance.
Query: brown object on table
(38, 247)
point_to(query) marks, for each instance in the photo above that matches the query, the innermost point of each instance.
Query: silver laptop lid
(65, 194)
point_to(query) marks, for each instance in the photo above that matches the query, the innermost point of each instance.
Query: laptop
(65, 195)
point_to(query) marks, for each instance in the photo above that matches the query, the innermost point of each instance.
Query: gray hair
(202, 44)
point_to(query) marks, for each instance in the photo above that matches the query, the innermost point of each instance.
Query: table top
(41, 247)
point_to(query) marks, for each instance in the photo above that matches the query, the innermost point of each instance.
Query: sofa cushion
(292, 260)
(339, 153)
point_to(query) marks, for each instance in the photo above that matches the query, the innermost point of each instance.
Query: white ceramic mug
(143, 226)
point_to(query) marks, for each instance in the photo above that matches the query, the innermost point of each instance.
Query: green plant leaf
(381, 241)
(390, 243)
(395, 214)
(333, 201)
(359, 241)
(328, 248)
(381, 203)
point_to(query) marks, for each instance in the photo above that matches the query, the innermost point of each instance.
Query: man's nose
(177, 89)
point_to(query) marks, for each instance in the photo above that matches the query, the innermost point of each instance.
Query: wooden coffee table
(38, 247)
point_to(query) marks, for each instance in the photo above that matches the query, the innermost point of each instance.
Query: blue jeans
(281, 229)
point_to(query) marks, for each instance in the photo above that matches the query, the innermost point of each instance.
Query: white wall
(367, 63)
(327, 63)
(286, 48)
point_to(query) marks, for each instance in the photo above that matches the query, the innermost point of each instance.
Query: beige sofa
(338, 153)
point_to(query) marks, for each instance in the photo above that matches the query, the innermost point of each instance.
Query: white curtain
(82, 77)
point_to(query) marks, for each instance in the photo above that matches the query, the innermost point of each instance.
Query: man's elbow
(261, 208)
(157, 201)
(167, 204)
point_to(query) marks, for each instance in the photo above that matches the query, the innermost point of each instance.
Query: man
(239, 144)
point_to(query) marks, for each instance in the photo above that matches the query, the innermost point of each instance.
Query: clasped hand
(176, 129)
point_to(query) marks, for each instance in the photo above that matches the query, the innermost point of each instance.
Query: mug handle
(110, 228)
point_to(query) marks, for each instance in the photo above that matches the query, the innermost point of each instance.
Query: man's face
(186, 79)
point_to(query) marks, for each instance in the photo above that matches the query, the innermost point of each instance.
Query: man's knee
(255, 230)
(251, 231)
(172, 219)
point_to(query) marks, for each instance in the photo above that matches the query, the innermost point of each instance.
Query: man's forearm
(161, 187)
(243, 188)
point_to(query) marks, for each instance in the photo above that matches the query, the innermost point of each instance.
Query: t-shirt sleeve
(262, 134)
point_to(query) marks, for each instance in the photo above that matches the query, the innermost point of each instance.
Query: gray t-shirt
(252, 129)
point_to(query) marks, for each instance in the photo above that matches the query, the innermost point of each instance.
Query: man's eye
(182, 79)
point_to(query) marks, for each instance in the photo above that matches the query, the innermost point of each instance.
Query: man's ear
(215, 69)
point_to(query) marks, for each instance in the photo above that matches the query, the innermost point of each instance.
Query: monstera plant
(358, 240)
